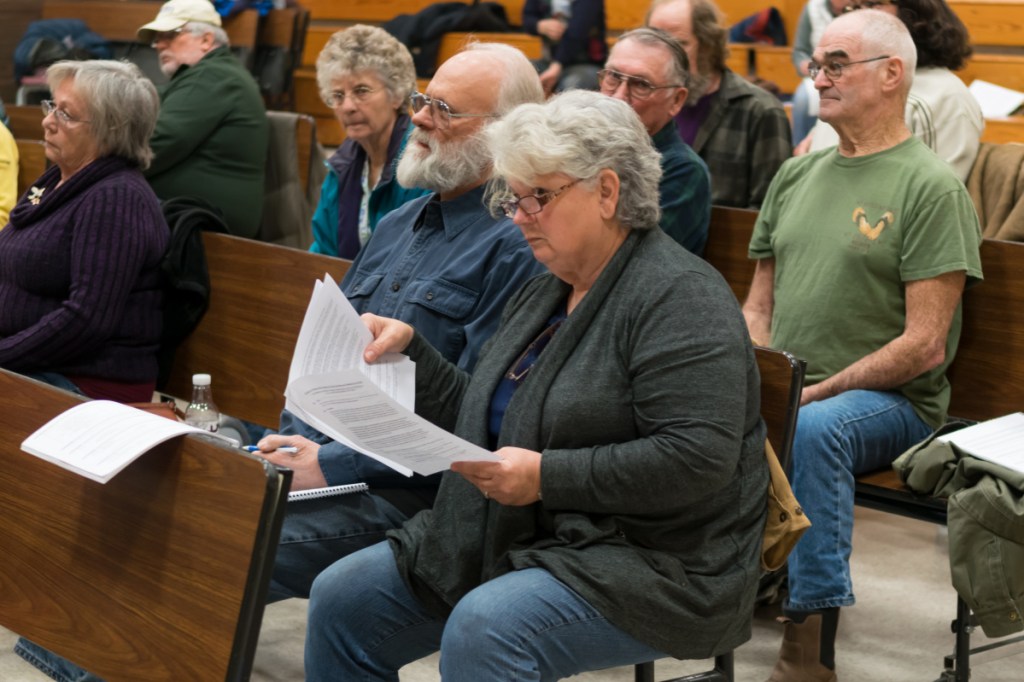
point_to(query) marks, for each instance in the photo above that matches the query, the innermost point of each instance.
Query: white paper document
(99, 438)
(998, 440)
(995, 100)
(368, 407)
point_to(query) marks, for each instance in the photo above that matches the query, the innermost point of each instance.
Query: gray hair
(200, 29)
(882, 33)
(579, 133)
(367, 48)
(519, 83)
(679, 63)
(123, 105)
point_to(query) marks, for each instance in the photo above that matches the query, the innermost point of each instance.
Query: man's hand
(305, 464)
(389, 336)
(552, 29)
(514, 481)
(549, 77)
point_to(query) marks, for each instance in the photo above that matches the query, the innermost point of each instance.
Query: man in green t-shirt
(862, 253)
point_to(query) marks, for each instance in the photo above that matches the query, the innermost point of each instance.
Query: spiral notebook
(329, 491)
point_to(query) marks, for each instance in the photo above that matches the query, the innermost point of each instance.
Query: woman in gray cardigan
(624, 520)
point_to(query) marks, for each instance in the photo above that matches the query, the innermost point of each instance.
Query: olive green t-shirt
(846, 234)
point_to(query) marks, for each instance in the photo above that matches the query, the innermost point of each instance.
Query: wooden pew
(246, 338)
(728, 238)
(118, 20)
(1002, 130)
(159, 574)
(992, 22)
(26, 121)
(32, 162)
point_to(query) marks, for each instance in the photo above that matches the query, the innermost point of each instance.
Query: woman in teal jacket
(366, 77)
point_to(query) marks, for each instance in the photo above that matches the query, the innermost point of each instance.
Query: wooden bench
(245, 340)
(119, 20)
(32, 162)
(25, 121)
(159, 574)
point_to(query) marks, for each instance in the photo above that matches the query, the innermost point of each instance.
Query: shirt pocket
(443, 297)
(440, 309)
(365, 287)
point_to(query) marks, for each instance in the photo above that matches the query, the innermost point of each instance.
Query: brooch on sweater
(35, 195)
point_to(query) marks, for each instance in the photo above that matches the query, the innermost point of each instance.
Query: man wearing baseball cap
(211, 138)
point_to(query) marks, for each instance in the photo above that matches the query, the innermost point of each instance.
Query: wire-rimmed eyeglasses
(834, 69)
(358, 94)
(532, 204)
(439, 109)
(639, 88)
(64, 118)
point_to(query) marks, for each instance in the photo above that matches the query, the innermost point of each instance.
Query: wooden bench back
(25, 121)
(728, 238)
(119, 20)
(782, 380)
(159, 574)
(245, 341)
(32, 162)
(987, 375)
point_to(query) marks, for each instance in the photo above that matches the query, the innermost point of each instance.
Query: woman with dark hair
(940, 109)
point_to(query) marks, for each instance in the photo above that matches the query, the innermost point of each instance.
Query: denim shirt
(684, 191)
(445, 267)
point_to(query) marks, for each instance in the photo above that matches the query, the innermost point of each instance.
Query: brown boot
(808, 647)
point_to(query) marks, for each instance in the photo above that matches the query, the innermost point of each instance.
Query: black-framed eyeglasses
(165, 36)
(360, 94)
(532, 204)
(64, 118)
(868, 4)
(834, 69)
(638, 88)
(439, 109)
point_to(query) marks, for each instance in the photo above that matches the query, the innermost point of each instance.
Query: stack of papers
(998, 440)
(366, 407)
(99, 438)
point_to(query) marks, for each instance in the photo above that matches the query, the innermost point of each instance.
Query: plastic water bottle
(202, 412)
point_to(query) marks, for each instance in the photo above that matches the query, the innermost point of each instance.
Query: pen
(286, 448)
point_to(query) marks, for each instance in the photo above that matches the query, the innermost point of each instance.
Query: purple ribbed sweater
(79, 276)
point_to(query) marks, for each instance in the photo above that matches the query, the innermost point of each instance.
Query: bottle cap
(201, 379)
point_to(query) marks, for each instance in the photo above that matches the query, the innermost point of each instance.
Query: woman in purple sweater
(80, 289)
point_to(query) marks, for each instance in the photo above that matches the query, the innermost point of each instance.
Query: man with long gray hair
(211, 138)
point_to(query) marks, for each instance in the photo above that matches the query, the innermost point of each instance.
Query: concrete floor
(897, 632)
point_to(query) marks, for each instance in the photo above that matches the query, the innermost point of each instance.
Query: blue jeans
(836, 440)
(317, 533)
(364, 624)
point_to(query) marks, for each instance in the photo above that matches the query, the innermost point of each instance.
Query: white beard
(447, 166)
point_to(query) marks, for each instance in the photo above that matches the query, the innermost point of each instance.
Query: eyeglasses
(63, 118)
(867, 4)
(524, 363)
(532, 204)
(639, 88)
(834, 70)
(165, 36)
(439, 109)
(358, 94)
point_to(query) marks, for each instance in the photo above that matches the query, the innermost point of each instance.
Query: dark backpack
(184, 274)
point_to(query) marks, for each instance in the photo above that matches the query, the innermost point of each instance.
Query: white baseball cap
(176, 13)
